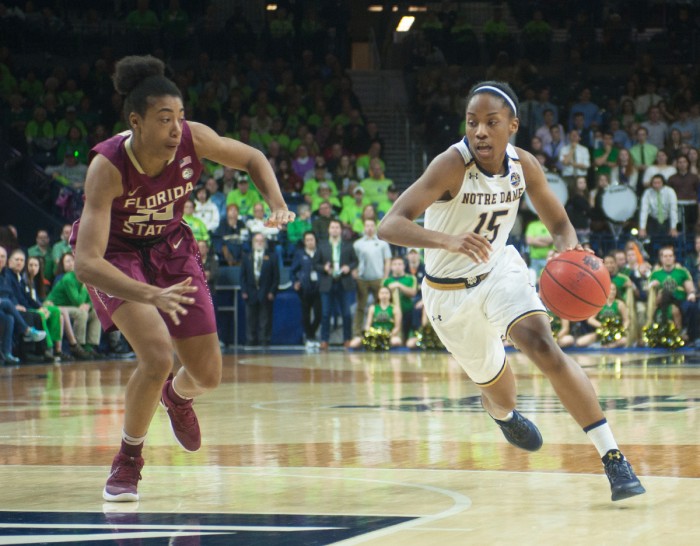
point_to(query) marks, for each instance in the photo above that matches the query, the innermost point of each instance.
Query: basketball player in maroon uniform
(141, 262)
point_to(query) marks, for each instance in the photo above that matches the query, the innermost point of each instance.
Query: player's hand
(172, 299)
(280, 217)
(473, 245)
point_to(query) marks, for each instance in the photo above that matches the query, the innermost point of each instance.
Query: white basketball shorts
(472, 322)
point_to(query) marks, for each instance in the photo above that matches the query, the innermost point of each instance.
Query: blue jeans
(342, 297)
(8, 308)
(7, 324)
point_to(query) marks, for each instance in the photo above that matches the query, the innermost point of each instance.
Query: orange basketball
(574, 285)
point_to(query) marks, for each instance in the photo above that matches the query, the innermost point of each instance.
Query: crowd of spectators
(287, 93)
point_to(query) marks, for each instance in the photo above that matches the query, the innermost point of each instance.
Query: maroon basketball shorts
(163, 262)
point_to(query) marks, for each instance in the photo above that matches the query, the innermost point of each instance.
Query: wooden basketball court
(351, 448)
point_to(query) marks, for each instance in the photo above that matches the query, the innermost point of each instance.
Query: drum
(619, 203)
(558, 187)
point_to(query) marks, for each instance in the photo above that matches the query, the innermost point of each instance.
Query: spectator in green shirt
(405, 287)
(71, 295)
(540, 242)
(243, 197)
(676, 279)
(198, 227)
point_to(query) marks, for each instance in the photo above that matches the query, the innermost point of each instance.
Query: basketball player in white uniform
(477, 292)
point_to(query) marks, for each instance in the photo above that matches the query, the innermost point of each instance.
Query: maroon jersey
(150, 207)
(148, 241)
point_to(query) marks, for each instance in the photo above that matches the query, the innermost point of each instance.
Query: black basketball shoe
(521, 432)
(623, 482)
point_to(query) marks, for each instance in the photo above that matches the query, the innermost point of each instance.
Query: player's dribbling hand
(171, 300)
(280, 217)
(473, 245)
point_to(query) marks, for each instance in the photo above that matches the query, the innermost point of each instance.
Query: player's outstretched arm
(238, 155)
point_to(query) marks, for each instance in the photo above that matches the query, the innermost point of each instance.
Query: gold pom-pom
(663, 335)
(610, 330)
(377, 339)
(427, 339)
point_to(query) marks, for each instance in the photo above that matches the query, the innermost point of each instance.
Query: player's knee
(155, 360)
(209, 378)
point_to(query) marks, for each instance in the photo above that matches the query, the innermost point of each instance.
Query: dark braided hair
(140, 77)
(501, 86)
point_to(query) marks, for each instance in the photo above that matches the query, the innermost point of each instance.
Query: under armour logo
(439, 317)
(473, 176)
(614, 455)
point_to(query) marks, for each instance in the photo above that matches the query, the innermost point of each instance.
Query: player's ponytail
(140, 77)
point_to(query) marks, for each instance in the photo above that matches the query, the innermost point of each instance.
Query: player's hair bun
(131, 71)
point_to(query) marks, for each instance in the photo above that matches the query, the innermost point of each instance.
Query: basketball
(574, 285)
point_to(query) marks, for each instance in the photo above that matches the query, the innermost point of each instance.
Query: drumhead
(619, 203)
(558, 187)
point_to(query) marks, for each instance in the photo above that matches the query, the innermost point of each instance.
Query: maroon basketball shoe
(183, 420)
(123, 479)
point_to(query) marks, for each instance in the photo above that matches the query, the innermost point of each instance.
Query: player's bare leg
(534, 338)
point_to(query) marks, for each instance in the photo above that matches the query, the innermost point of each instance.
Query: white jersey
(485, 204)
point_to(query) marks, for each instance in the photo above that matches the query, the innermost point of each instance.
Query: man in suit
(334, 262)
(260, 278)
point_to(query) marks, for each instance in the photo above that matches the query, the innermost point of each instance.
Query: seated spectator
(320, 223)
(658, 212)
(12, 318)
(312, 184)
(74, 144)
(660, 166)
(363, 161)
(376, 184)
(404, 287)
(210, 265)
(303, 162)
(205, 209)
(41, 143)
(625, 171)
(290, 182)
(392, 194)
(72, 295)
(30, 300)
(258, 223)
(383, 315)
(611, 324)
(677, 281)
(198, 227)
(297, 228)
(230, 240)
(62, 246)
(42, 249)
(323, 194)
(540, 241)
(243, 196)
(217, 197)
(69, 120)
(345, 173)
(351, 212)
(70, 173)
(578, 208)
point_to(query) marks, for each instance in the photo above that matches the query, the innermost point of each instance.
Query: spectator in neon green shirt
(243, 197)
(198, 227)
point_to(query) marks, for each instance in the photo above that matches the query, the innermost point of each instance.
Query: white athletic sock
(601, 436)
(132, 440)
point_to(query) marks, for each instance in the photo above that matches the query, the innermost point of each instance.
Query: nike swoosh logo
(176, 245)
(133, 192)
